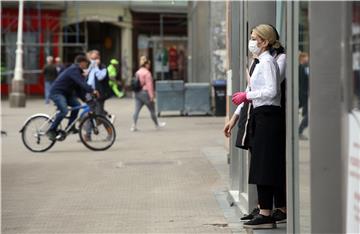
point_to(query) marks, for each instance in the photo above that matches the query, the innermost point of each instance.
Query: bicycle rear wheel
(34, 136)
(97, 133)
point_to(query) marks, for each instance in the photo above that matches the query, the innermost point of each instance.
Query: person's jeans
(142, 98)
(97, 107)
(62, 104)
(47, 91)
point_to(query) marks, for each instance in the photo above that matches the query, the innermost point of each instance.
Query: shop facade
(42, 34)
(162, 37)
(64, 29)
(323, 183)
(118, 30)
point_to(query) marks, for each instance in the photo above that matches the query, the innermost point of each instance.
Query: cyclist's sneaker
(74, 130)
(51, 134)
(251, 215)
(261, 222)
(279, 216)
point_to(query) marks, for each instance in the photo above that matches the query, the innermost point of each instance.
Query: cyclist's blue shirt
(69, 81)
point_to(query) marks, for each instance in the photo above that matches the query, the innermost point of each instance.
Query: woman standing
(146, 95)
(267, 165)
(279, 214)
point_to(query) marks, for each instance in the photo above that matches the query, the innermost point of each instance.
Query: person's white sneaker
(160, 125)
(133, 128)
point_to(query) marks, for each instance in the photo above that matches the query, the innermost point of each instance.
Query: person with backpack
(143, 87)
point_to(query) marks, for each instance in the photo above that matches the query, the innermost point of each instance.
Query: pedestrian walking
(50, 74)
(146, 95)
(59, 65)
(113, 78)
(98, 79)
(267, 164)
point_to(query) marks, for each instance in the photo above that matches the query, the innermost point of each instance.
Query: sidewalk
(172, 180)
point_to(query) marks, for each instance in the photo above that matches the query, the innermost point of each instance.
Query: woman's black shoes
(261, 222)
(279, 216)
(258, 221)
(251, 215)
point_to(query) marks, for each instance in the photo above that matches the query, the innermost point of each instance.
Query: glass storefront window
(303, 110)
(356, 54)
(353, 188)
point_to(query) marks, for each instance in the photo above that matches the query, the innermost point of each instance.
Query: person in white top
(267, 165)
(280, 57)
(279, 54)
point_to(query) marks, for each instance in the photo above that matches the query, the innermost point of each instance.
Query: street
(150, 181)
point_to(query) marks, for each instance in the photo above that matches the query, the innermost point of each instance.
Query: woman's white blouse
(265, 82)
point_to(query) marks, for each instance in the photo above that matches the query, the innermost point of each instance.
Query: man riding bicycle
(64, 92)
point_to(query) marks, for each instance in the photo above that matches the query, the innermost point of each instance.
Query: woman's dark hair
(281, 49)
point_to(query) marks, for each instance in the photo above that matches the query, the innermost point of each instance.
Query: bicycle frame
(34, 131)
(84, 107)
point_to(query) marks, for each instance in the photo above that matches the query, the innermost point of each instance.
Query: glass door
(303, 111)
(353, 167)
(298, 147)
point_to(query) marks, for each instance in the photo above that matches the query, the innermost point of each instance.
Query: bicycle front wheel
(34, 136)
(97, 133)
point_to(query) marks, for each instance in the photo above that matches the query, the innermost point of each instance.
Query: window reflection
(356, 54)
(304, 147)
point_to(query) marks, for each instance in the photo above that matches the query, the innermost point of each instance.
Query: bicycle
(96, 132)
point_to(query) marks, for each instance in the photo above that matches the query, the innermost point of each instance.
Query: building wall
(41, 29)
(207, 35)
(327, 177)
(217, 40)
(199, 51)
(89, 11)
(111, 12)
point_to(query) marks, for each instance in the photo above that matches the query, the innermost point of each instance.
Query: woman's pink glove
(239, 97)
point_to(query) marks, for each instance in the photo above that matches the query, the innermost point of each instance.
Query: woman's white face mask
(253, 48)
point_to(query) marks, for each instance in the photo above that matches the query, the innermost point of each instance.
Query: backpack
(103, 87)
(136, 84)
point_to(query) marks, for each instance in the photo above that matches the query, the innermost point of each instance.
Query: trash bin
(170, 96)
(220, 97)
(197, 98)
